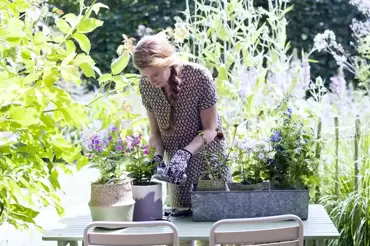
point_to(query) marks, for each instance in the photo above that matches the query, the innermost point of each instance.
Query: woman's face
(157, 76)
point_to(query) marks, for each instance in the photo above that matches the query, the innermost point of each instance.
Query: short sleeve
(207, 93)
(143, 88)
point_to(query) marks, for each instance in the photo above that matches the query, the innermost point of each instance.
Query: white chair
(291, 235)
(125, 238)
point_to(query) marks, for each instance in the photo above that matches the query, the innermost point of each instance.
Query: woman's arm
(155, 138)
(209, 123)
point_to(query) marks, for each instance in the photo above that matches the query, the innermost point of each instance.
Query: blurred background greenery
(136, 18)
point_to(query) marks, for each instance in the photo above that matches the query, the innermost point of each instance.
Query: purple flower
(119, 148)
(133, 141)
(114, 128)
(261, 156)
(276, 137)
(146, 150)
(90, 156)
(289, 110)
(271, 162)
(99, 149)
(110, 138)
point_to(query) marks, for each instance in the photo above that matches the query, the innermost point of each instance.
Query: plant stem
(357, 139)
(318, 154)
(336, 123)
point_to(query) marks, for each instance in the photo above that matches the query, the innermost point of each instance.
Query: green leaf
(88, 25)
(83, 58)
(50, 76)
(87, 70)
(70, 46)
(83, 161)
(54, 178)
(105, 77)
(72, 19)
(63, 26)
(70, 74)
(96, 7)
(83, 41)
(119, 64)
(68, 59)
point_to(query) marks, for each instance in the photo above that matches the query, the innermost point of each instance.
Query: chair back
(281, 235)
(135, 233)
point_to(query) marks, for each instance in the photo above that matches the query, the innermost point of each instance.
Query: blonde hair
(157, 51)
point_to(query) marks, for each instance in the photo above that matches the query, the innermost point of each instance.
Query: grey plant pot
(111, 202)
(148, 200)
(216, 205)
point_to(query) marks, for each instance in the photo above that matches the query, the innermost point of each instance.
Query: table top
(317, 226)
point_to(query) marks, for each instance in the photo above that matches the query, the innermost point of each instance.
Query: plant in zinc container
(146, 193)
(294, 163)
(217, 164)
(251, 156)
(111, 195)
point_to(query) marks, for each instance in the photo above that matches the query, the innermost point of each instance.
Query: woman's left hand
(175, 171)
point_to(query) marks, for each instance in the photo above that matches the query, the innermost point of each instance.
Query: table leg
(308, 242)
(62, 243)
(73, 243)
(319, 242)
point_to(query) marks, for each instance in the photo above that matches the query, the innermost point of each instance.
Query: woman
(180, 99)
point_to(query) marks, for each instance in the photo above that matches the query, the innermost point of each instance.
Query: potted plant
(250, 156)
(146, 193)
(294, 164)
(216, 165)
(111, 195)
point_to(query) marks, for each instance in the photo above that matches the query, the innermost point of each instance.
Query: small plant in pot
(214, 176)
(111, 195)
(251, 157)
(294, 164)
(146, 193)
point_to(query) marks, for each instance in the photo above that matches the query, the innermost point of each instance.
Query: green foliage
(35, 111)
(139, 161)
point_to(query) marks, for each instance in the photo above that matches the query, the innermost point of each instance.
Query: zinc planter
(111, 202)
(148, 202)
(216, 205)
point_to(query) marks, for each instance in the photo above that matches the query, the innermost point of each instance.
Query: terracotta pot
(211, 185)
(148, 202)
(112, 202)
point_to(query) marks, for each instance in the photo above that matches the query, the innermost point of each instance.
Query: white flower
(324, 40)
(181, 32)
(338, 84)
(340, 59)
(362, 5)
(360, 28)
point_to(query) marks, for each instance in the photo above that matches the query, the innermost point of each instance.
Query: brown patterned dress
(197, 93)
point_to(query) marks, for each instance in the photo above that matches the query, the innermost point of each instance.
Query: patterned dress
(197, 93)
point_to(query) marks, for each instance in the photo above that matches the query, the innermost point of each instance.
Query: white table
(317, 228)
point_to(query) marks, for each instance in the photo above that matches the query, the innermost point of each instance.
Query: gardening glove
(175, 171)
(159, 163)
